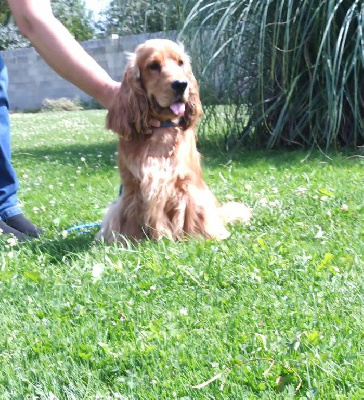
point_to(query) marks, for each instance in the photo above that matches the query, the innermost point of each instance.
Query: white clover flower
(274, 203)
(97, 271)
(320, 233)
(256, 277)
(263, 202)
(344, 207)
(183, 311)
(13, 241)
(301, 190)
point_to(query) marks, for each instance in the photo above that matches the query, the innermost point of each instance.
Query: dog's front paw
(222, 234)
(235, 211)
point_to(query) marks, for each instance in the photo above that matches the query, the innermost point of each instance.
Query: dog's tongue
(178, 108)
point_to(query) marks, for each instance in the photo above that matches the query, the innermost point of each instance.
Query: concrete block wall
(31, 80)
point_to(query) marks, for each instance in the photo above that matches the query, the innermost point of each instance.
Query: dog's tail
(234, 211)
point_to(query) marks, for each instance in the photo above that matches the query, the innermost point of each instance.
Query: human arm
(61, 51)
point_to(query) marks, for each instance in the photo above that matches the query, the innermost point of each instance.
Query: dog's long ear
(193, 107)
(128, 115)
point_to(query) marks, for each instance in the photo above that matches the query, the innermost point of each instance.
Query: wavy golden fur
(163, 191)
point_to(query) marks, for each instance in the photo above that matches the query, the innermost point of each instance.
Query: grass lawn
(275, 311)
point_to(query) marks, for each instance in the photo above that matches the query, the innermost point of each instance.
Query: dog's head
(158, 83)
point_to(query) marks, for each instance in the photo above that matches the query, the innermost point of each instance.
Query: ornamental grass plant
(295, 67)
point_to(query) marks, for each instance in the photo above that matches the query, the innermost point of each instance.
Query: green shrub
(61, 104)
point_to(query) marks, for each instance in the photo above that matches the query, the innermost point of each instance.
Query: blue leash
(83, 228)
(86, 228)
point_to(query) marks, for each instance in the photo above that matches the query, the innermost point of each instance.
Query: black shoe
(8, 230)
(23, 225)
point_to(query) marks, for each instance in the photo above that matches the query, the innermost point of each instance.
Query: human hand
(154, 123)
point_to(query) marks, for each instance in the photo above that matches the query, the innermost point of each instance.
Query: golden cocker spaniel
(163, 192)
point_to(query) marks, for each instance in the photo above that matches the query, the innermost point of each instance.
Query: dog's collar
(169, 124)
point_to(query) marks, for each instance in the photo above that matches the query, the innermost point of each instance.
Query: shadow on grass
(214, 154)
(69, 155)
(60, 249)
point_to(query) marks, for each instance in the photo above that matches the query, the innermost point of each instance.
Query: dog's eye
(155, 66)
(180, 63)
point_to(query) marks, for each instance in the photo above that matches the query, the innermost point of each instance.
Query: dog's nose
(179, 86)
